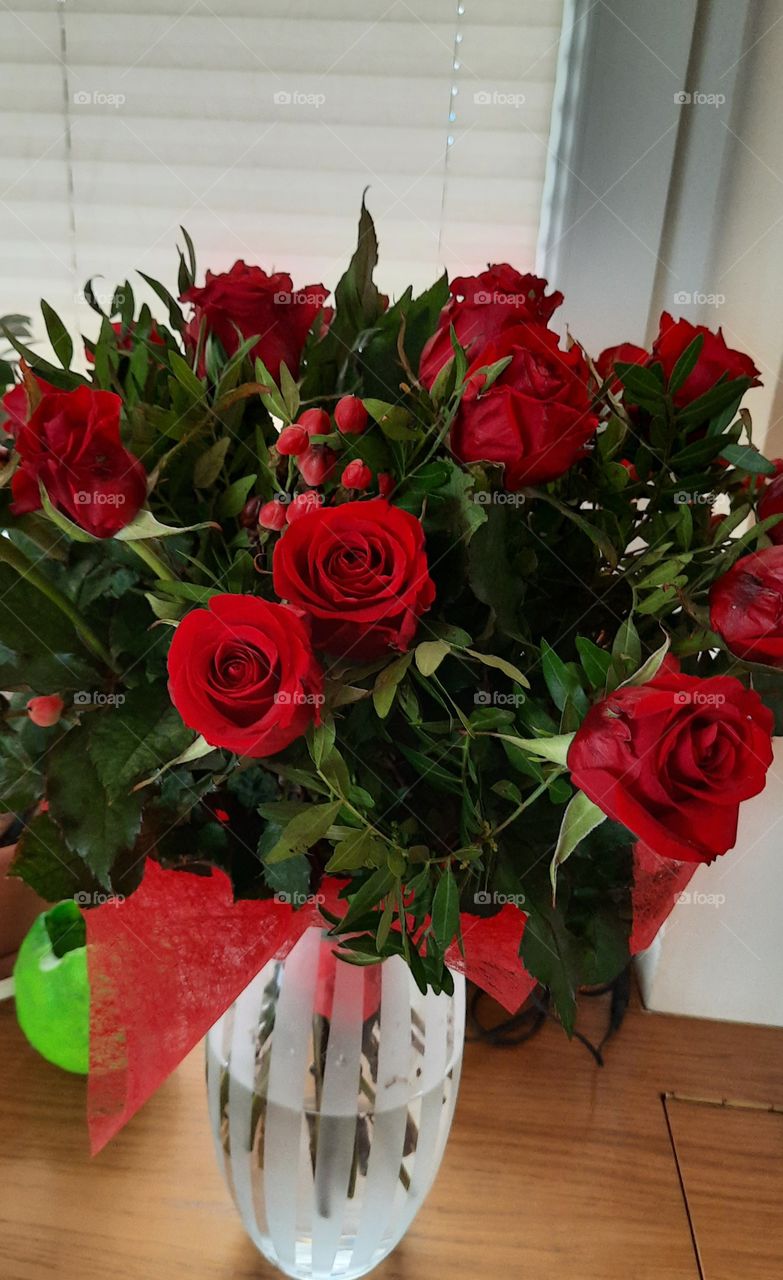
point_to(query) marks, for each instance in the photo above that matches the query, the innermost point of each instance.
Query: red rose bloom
(248, 299)
(771, 503)
(480, 308)
(624, 353)
(746, 607)
(536, 417)
(360, 572)
(72, 446)
(672, 760)
(243, 675)
(16, 405)
(715, 361)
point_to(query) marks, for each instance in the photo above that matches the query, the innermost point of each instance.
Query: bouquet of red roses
(412, 598)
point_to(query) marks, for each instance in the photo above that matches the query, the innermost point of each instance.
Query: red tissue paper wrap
(166, 963)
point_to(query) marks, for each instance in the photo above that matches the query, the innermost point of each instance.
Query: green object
(52, 990)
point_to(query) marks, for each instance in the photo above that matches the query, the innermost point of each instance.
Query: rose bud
(248, 516)
(302, 505)
(292, 441)
(351, 416)
(316, 464)
(272, 515)
(385, 483)
(45, 710)
(316, 422)
(357, 475)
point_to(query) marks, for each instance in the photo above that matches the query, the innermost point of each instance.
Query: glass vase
(331, 1093)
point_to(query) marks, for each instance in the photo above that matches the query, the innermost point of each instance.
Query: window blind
(258, 126)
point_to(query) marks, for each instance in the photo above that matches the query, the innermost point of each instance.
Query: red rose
(480, 308)
(673, 759)
(536, 417)
(771, 503)
(715, 361)
(243, 675)
(624, 353)
(746, 607)
(247, 299)
(360, 572)
(72, 446)
(16, 405)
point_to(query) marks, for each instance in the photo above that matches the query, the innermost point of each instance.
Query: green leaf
(129, 740)
(289, 390)
(393, 419)
(235, 496)
(303, 831)
(596, 662)
(560, 680)
(445, 909)
(366, 897)
(58, 335)
(717, 400)
(627, 646)
(45, 863)
(96, 826)
(386, 684)
(430, 654)
(21, 783)
(554, 748)
(210, 463)
(38, 648)
(146, 526)
(357, 850)
(500, 664)
(651, 667)
(551, 954)
(686, 363)
(748, 458)
(580, 818)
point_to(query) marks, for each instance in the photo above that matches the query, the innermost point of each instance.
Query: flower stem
(152, 560)
(11, 555)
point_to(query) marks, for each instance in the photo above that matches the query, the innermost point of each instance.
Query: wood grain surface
(555, 1168)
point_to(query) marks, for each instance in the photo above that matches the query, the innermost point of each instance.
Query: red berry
(45, 710)
(385, 483)
(292, 441)
(303, 504)
(357, 475)
(350, 416)
(316, 464)
(315, 422)
(272, 515)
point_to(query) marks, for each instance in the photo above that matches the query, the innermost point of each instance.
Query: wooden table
(555, 1168)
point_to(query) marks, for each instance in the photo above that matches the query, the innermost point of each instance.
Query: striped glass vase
(331, 1093)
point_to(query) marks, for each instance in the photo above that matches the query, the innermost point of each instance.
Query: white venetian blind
(257, 124)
